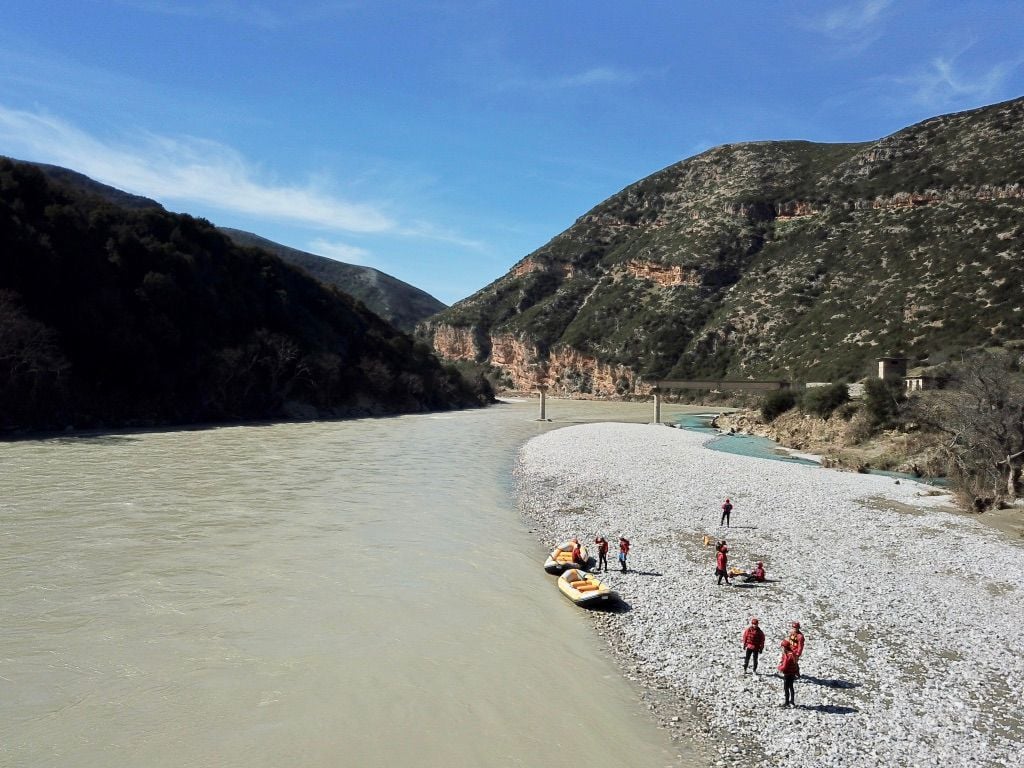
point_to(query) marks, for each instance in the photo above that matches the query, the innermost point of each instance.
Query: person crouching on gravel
(722, 565)
(757, 574)
(789, 666)
(753, 642)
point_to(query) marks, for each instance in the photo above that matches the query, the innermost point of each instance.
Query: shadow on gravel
(741, 528)
(646, 573)
(615, 606)
(829, 683)
(831, 709)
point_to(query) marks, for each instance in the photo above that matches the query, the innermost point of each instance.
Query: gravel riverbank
(913, 615)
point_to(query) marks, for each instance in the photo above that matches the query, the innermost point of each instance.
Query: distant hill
(114, 317)
(399, 303)
(770, 259)
(84, 183)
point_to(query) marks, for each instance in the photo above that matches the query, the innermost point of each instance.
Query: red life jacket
(753, 637)
(722, 560)
(602, 546)
(789, 666)
(799, 649)
(624, 546)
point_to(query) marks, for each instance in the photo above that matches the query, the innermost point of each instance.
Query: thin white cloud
(595, 76)
(424, 230)
(851, 28)
(186, 169)
(350, 254)
(942, 83)
(852, 18)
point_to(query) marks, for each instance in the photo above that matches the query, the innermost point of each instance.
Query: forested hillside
(117, 317)
(399, 303)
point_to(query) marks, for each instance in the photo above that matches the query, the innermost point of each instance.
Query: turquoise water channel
(765, 448)
(744, 445)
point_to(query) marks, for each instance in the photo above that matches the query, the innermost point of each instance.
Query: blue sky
(442, 141)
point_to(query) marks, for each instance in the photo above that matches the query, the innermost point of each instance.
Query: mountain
(90, 186)
(770, 259)
(114, 317)
(399, 303)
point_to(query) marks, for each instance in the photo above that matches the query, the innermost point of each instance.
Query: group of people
(602, 553)
(757, 573)
(789, 664)
(753, 637)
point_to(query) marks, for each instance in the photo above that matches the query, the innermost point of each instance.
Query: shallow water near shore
(358, 593)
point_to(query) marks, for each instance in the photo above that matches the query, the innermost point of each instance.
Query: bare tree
(981, 418)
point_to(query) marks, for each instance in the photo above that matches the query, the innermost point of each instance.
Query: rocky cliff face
(564, 370)
(772, 259)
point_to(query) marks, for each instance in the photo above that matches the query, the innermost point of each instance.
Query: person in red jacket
(796, 637)
(789, 666)
(577, 553)
(623, 551)
(757, 574)
(753, 642)
(602, 553)
(722, 564)
(726, 510)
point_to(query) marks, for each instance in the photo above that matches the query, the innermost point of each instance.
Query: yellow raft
(583, 588)
(561, 558)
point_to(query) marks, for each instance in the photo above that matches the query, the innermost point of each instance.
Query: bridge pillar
(657, 405)
(542, 388)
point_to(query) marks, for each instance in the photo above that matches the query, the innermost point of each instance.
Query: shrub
(883, 401)
(777, 403)
(822, 401)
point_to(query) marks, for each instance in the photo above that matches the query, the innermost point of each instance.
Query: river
(350, 593)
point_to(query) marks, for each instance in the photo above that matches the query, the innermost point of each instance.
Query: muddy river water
(356, 593)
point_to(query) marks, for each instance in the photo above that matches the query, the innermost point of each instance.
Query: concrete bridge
(718, 385)
(661, 385)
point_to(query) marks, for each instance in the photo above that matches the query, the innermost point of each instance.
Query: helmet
(754, 621)
(795, 625)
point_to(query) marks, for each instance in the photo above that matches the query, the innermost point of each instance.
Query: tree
(775, 404)
(884, 401)
(822, 401)
(982, 420)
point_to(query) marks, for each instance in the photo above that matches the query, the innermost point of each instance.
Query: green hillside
(399, 303)
(117, 317)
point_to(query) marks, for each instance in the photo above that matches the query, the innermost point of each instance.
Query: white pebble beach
(913, 615)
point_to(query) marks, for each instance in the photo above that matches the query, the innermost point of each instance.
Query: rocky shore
(915, 654)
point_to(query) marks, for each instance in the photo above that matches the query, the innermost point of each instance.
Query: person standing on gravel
(753, 642)
(789, 666)
(722, 565)
(623, 551)
(726, 510)
(602, 553)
